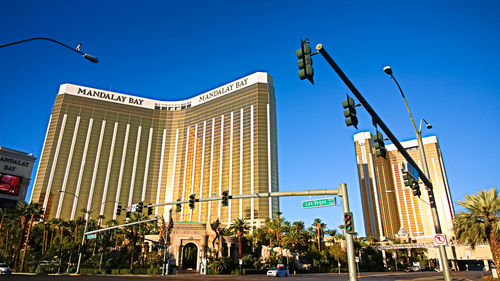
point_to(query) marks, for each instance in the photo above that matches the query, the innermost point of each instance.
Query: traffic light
(119, 209)
(191, 201)
(349, 222)
(150, 210)
(378, 143)
(306, 70)
(412, 183)
(350, 112)
(140, 206)
(127, 215)
(225, 198)
(178, 206)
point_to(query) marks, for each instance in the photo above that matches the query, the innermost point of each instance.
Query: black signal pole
(390, 135)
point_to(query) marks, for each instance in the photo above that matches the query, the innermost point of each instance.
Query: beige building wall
(107, 147)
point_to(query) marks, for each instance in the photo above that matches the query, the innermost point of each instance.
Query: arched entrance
(189, 256)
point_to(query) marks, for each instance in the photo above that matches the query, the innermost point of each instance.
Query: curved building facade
(102, 148)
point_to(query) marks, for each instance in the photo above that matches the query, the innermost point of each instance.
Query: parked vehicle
(5, 269)
(277, 272)
(412, 269)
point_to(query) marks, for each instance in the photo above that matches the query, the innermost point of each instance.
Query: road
(364, 276)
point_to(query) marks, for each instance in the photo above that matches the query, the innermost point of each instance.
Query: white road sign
(439, 239)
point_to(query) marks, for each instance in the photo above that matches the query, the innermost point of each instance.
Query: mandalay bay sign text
(316, 203)
(257, 77)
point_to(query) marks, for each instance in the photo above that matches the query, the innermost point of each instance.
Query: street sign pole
(349, 240)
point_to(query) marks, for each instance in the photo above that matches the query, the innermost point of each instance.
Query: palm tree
(239, 227)
(35, 211)
(23, 213)
(299, 226)
(3, 214)
(319, 227)
(136, 233)
(480, 223)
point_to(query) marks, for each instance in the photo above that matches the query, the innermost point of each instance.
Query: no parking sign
(439, 239)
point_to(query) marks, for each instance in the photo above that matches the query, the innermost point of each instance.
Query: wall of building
(109, 147)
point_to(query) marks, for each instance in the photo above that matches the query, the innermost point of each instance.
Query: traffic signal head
(350, 112)
(225, 198)
(150, 210)
(191, 201)
(178, 206)
(408, 180)
(416, 189)
(127, 215)
(119, 209)
(140, 206)
(349, 222)
(378, 144)
(305, 61)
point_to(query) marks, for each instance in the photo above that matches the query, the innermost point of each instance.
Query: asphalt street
(364, 276)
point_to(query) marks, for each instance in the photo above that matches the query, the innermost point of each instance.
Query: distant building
(15, 176)
(388, 205)
(391, 211)
(107, 147)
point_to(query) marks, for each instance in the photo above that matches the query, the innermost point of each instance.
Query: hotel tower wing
(103, 149)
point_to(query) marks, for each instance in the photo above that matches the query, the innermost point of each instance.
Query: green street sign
(91, 236)
(323, 202)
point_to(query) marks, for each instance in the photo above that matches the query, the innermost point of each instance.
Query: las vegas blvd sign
(316, 203)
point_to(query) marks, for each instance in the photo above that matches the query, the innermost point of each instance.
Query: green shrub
(139, 271)
(153, 270)
(235, 271)
(125, 271)
(115, 271)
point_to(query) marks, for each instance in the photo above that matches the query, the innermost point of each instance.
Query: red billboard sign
(10, 184)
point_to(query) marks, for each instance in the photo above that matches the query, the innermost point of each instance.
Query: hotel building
(15, 176)
(388, 205)
(103, 147)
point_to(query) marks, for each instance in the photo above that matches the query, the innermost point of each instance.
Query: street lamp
(430, 192)
(87, 216)
(77, 49)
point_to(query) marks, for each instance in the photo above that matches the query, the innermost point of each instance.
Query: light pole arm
(407, 107)
(85, 55)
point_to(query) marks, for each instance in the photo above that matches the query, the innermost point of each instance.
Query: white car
(277, 272)
(5, 269)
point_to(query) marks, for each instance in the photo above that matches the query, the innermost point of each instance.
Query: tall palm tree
(22, 212)
(298, 225)
(320, 228)
(480, 223)
(239, 227)
(35, 211)
(136, 234)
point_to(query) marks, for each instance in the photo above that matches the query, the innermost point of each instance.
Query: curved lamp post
(77, 49)
(87, 217)
(435, 217)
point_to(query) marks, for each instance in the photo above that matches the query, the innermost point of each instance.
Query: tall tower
(102, 148)
(385, 195)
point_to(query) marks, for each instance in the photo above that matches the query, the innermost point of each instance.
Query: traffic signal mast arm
(258, 195)
(374, 115)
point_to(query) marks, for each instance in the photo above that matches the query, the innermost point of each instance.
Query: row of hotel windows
(172, 106)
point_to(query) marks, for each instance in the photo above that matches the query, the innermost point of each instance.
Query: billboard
(10, 184)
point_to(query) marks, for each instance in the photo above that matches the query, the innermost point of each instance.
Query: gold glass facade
(108, 147)
(388, 205)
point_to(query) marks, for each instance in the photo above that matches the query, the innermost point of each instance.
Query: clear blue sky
(445, 55)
